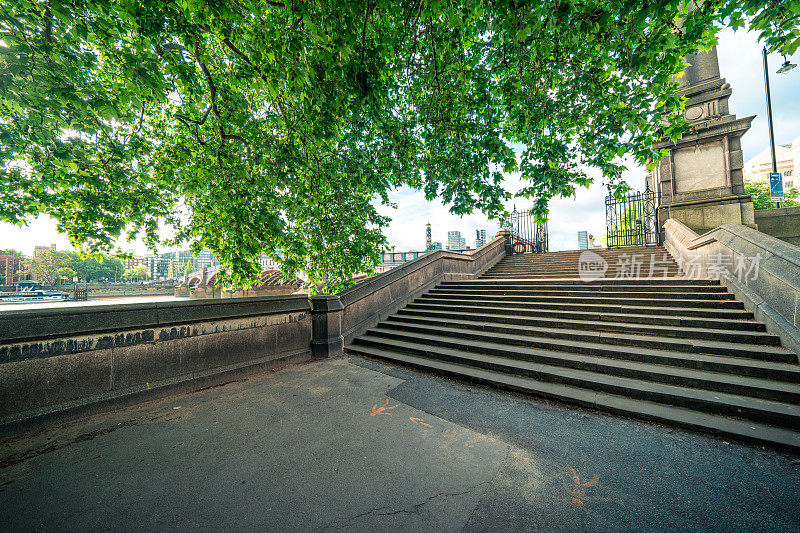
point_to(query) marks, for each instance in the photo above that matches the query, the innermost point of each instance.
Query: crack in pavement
(494, 477)
(410, 510)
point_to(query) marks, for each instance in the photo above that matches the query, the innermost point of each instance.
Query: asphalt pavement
(356, 445)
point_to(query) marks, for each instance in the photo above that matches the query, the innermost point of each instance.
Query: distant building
(39, 249)
(583, 240)
(455, 241)
(163, 266)
(267, 262)
(480, 238)
(136, 260)
(158, 266)
(436, 246)
(206, 259)
(9, 267)
(787, 157)
(428, 239)
(392, 259)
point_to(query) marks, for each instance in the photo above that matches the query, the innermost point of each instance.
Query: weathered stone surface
(705, 164)
(764, 272)
(103, 353)
(782, 223)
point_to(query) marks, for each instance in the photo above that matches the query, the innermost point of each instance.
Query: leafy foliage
(180, 269)
(137, 273)
(48, 266)
(254, 126)
(759, 190)
(12, 252)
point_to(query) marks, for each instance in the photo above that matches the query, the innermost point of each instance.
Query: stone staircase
(640, 261)
(659, 346)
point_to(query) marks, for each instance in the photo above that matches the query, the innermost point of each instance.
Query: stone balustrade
(68, 361)
(760, 270)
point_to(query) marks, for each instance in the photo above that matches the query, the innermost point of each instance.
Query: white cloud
(741, 64)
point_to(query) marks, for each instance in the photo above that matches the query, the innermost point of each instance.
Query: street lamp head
(786, 67)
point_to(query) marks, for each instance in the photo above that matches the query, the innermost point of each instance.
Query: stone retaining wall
(64, 359)
(782, 223)
(762, 271)
(68, 361)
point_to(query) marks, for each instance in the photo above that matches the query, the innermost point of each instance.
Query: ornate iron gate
(526, 235)
(632, 220)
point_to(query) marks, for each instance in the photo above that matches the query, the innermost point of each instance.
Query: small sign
(776, 186)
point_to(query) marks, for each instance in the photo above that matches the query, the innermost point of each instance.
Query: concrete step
(608, 376)
(653, 301)
(732, 334)
(579, 291)
(668, 322)
(647, 410)
(528, 273)
(643, 261)
(602, 252)
(535, 285)
(587, 342)
(658, 345)
(603, 307)
(603, 284)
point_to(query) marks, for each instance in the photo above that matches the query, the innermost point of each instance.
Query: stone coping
(368, 286)
(25, 324)
(770, 286)
(777, 212)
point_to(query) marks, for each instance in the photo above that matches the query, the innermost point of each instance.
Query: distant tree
(12, 252)
(136, 273)
(759, 190)
(89, 268)
(65, 273)
(48, 266)
(179, 269)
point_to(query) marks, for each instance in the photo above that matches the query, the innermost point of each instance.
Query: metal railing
(527, 236)
(632, 219)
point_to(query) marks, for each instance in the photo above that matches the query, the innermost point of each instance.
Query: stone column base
(707, 214)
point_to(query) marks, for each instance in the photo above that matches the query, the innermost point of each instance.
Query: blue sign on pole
(776, 186)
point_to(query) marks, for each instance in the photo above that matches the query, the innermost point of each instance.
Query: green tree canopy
(89, 268)
(180, 269)
(271, 126)
(48, 266)
(136, 273)
(12, 252)
(762, 199)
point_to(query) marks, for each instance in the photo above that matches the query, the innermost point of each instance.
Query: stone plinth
(700, 181)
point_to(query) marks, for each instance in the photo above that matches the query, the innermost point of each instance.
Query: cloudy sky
(740, 63)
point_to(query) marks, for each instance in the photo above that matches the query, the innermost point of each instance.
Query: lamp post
(786, 67)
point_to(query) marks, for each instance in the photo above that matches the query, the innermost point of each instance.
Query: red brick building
(9, 266)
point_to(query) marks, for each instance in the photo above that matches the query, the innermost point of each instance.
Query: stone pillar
(700, 181)
(506, 234)
(326, 325)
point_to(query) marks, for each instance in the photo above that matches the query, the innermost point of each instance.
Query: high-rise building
(455, 241)
(41, 249)
(480, 238)
(10, 266)
(206, 259)
(583, 240)
(428, 240)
